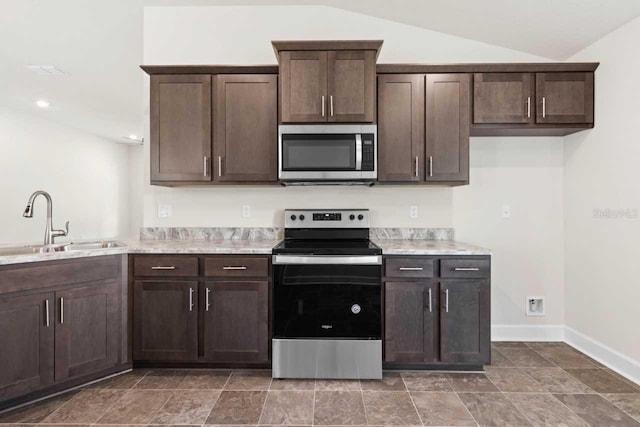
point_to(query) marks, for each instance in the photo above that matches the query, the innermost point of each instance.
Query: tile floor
(528, 384)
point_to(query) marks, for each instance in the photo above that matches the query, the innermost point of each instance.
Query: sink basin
(61, 247)
(91, 245)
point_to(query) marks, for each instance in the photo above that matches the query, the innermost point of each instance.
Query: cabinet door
(401, 127)
(447, 123)
(87, 329)
(180, 128)
(411, 322)
(246, 127)
(465, 321)
(351, 85)
(503, 98)
(303, 76)
(236, 321)
(27, 342)
(165, 320)
(564, 97)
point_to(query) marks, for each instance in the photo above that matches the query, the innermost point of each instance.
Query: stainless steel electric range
(327, 297)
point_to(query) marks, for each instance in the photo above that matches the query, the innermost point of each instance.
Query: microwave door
(319, 153)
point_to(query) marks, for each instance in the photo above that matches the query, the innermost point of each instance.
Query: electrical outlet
(164, 211)
(535, 306)
(506, 211)
(246, 211)
(413, 212)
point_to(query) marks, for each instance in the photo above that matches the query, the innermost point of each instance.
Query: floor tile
(544, 410)
(596, 411)
(629, 403)
(509, 344)
(238, 407)
(635, 386)
(499, 360)
(37, 412)
(278, 384)
(566, 357)
(549, 344)
(204, 380)
(389, 408)
(513, 380)
(525, 357)
(338, 385)
(494, 410)
(122, 382)
(288, 408)
(249, 380)
(471, 382)
(135, 407)
(557, 380)
(160, 379)
(86, 407)
(426, 381)
(441, 409)
(391, 381)
(339, 408)
(601, 381)
(187, 407)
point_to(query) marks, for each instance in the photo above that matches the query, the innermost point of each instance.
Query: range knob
(293, 217)
(360, 217)
(352, 217)
(301, 217)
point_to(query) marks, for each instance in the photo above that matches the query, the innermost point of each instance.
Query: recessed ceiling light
(42, 103)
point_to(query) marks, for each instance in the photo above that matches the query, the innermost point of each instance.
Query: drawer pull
(232, 267)
(163, 267)
(410, 268)
(466, 269)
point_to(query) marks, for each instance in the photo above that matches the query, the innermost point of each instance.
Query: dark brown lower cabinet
(87, 330)
(236, 321)
(165, 318)
(465, 321)
(27, 344)
(411, 319)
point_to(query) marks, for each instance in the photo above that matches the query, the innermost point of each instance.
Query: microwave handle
(358, 151)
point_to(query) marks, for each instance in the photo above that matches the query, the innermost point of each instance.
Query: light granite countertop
(244, 247)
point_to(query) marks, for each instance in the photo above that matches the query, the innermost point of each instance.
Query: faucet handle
(66, 228)
(61, 233)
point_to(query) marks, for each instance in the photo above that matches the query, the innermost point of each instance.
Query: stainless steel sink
(91, 245)
(61, 247)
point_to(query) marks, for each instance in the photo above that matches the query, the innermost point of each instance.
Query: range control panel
(326, 218)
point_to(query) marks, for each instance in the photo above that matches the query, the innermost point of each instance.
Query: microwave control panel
(368, 152)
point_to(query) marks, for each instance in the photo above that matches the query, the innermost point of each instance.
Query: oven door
(327, 297)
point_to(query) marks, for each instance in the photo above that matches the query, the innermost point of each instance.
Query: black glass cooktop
(328, 247)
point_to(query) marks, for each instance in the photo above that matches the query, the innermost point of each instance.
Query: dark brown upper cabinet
(401, 127)
(564, 97)
(352, 85)
(503, 98)
(448, 108)
(180, 128)
(245, 128)
(303, 86)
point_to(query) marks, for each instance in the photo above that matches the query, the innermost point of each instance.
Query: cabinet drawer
(236, 267)
(465, 268)
(165, 266)
(409, 267)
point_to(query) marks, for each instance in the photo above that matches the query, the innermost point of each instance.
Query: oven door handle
(358, 151)
(328, 260)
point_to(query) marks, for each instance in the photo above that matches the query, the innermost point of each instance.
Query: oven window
(318, 152)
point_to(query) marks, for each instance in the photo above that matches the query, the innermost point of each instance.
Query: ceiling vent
(47, 70)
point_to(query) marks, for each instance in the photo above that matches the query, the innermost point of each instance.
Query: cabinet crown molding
(283, 45)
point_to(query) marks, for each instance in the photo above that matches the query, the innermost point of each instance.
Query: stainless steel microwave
(327, 153)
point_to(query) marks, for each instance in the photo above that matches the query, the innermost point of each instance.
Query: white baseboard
(527, 332)
(613, 359)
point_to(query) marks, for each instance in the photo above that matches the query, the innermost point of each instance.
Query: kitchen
(195, 228)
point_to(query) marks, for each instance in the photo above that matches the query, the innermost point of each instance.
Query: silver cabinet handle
(466, 269)
(331, 105)
(544, 107)
(430, 302)
(322, 101)
(163, 267)
(528, 106)
(61, 310)
(46, 312)
(190, 299)
(430, 165)
(205, 170)
(446, 300)
(417, 173)
(219, 165)
(231, 267)
(410, 268)
(207, 305)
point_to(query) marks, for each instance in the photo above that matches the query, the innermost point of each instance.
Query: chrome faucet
(49, 233)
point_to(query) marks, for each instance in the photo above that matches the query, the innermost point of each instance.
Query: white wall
(500, 168)
(87, 177)
(601, 170)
